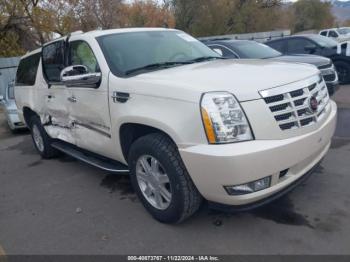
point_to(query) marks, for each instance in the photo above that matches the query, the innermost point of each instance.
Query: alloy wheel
(38, 139)
(153, 182)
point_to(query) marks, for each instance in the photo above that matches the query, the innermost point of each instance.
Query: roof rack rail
(204, 39)
(79, 32)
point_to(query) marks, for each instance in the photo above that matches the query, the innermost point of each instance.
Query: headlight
(223, 118)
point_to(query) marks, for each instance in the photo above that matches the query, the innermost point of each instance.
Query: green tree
(312, 14)
(216, 17)
(9, 45)
(149, 13)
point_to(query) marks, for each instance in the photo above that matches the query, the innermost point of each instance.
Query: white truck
(185, 124)
(339, 34)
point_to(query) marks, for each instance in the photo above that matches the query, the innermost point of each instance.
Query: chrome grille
(329, 78)
(326, 66)
(292, 109)
(328, 72)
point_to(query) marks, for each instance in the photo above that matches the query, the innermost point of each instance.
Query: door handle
(72, 99)
(50, 96)
(120, 97)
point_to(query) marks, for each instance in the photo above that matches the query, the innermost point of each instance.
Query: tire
(343, 70)
(44, 147)
(185, 198)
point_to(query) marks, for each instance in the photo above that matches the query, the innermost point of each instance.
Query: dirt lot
(62, 206)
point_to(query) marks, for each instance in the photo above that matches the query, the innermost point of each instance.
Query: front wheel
(343, 70)
(161, 180)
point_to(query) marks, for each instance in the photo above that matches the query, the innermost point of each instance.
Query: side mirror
(219, 51)
(1, 98)
(79, 76)
(310, 49)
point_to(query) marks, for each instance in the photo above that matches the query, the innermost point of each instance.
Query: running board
(91, 158)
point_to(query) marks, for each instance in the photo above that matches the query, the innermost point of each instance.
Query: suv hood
(243, 78)
(308, 59)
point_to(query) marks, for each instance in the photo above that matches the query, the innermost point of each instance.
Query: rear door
(57, 118)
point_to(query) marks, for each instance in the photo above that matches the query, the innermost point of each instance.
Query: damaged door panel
(89, 105)
(92, 121)
(57, 120)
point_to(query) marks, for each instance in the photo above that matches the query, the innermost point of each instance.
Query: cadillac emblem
(313, 104)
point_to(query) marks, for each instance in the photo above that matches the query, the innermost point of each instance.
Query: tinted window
(26, 72)
(297, 46)
(324, 33)
(53, 61)
(251, 49)
(277, 45)
(81, 54)
(128, 51)
(344, 31)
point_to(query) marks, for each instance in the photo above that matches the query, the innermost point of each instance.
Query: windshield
(11, 91)
(251, 49)
(344, 31)
(126, 52)
(323, 41)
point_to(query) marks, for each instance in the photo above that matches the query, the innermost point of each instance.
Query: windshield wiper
(155, 66)
(170, 64)
(204, 58)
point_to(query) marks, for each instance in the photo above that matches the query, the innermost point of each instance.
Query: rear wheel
(161, 180)
(41, 140)
(343, 70)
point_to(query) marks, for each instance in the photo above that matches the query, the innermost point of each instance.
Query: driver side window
(297, 46)
(332, 34)
(80, 53)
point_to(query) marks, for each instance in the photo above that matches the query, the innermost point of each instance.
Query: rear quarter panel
(32, 97)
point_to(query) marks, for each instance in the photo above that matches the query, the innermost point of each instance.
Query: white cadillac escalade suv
(186, 124)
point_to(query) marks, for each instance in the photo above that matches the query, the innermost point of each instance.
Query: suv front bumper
(212, 167)
(14, 122)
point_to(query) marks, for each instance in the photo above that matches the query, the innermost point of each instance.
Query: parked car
(183, 122)
(340, 34)
(245, 49)
(316, 45)
(8, 102)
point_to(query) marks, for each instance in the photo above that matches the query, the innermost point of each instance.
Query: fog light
(250, 187)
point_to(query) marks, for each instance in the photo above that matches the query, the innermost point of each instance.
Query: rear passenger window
(26, 72)
(324, 33)
(53, 61)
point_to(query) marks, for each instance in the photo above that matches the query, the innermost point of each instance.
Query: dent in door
(58, 123)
